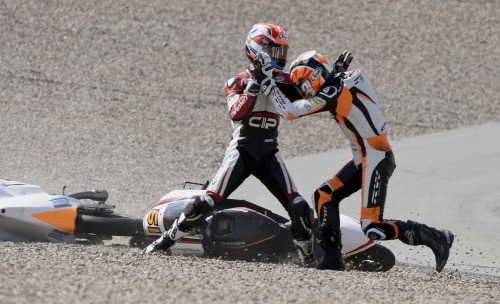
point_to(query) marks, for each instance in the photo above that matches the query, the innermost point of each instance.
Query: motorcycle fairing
(28, 213)
(239, 228)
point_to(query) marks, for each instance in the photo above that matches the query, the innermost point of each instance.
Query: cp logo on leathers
(263, 122)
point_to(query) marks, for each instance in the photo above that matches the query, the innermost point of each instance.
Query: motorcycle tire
(110, 225)
(374, 259)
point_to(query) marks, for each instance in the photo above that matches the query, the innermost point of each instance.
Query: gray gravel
(128, 96)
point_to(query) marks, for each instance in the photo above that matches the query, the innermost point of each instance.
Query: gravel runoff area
(127, 96)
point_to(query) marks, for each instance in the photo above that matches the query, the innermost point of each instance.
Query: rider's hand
(253, 87)
(342, 62)
(267, 85)
(264, 72)
(264, 68)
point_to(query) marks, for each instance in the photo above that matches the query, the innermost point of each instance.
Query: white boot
(305, 249)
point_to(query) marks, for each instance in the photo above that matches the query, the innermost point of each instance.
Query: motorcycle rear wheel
(374, 259)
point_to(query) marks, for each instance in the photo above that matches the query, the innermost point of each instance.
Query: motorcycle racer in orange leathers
(353, 104)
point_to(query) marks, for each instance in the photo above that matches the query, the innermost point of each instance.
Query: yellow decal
(153, 217)
(154, 230)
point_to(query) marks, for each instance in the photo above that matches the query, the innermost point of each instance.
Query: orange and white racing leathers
(354, 105)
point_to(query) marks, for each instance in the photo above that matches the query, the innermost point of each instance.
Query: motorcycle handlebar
(95, 195)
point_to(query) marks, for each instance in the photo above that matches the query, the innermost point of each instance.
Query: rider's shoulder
(331, 91)
(353, 75)
(355, 78)
(349, 78)
(238, 82)
(282, 77)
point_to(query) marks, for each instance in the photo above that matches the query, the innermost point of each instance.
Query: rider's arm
(292, 110)
(241, 92)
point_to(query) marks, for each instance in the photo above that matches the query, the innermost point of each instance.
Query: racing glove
(252, 87)
(264, 72)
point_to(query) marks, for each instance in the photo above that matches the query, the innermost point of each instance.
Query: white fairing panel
(28, 213)
(353, 238)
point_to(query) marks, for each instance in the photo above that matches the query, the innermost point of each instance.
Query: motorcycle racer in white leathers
(353, 104)
(253, 149)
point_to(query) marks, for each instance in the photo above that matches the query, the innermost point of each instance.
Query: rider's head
(309, 72)
(268, 38)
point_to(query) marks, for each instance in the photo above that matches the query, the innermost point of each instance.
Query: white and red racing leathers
(253, 149)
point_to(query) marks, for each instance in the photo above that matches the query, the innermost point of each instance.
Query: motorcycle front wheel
(374, 259)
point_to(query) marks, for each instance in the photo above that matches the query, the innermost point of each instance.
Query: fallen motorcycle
(29, 214)
(239, 229)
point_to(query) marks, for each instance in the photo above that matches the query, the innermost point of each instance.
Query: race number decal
(153, 221)
(153, 217)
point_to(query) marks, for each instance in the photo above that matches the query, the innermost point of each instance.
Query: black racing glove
(252, 87)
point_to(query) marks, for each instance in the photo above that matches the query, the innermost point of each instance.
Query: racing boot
(305, 249)
(440, 241)
(331, 244)
(168, 239)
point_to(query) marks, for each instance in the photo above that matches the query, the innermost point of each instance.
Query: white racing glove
(264, 72)
(267, 85)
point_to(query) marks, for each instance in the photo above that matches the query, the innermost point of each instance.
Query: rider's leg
(440, 241)
(234, 170)
(326, 202)
(413, 233)
(329, 238)
(193, 216)
(301, 216)
(378, 167)
(410, 232)
(272, 172)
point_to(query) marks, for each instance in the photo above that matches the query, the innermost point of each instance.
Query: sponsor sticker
(279, 79)
(60, 202)
(233, 243)
(317, 73)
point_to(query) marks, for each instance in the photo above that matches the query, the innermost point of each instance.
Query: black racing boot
(440, 241)
(332, 249)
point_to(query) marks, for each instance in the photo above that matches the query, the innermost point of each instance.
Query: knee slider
(375, 233)
(326, 188)
(322, 196)
(380, 231)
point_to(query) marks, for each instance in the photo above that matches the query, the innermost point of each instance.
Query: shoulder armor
(236, 84)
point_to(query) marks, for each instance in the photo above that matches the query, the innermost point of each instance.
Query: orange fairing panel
(63, 219)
